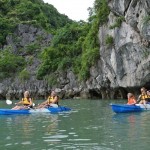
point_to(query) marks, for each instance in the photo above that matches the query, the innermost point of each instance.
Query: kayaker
(148, 96)
(142, 98)
(131, 99)
(52, 100)
(25, 102)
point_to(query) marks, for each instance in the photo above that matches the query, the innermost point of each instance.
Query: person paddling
(51, 101)
(148, 97)
(26, 102)
(131, 99)
(142, 98)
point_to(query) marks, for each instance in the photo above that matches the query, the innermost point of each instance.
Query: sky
(74, 9)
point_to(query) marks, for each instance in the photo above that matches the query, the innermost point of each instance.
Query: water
(91, 125)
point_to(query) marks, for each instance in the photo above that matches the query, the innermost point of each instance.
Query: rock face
(26, 36)
(27, 41)
(124, 64)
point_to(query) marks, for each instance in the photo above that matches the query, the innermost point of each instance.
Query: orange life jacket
(131, 101)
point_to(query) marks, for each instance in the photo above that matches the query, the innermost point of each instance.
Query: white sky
(74, 9)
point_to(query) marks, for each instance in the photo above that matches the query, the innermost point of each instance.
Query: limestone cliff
(126, 62)
(25, 38)
(123, 66)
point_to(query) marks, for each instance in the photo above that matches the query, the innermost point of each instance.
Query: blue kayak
(33, 111)
(124, 108)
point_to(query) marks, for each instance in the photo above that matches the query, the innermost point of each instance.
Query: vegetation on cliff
(36, 12)
(76, 46)
(65, 50)
(10, 64)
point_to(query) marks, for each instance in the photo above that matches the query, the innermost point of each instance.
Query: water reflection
(23, 130)
(90, 126)
(53, 126)
(126, 117)
(131, 128)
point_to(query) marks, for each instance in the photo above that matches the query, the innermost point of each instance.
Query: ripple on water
(8, 144)
(71, 133)
(8, 138)
(82, 129)
(79, 140)
(56, 137)
(62, 130)
(83, 146)
(52, 140)
(26, 143)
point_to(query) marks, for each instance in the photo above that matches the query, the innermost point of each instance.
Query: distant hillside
(35, 12)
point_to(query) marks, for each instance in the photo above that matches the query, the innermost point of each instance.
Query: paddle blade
(9, 102)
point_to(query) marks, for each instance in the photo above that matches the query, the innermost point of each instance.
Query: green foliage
(88, 59)
(10, 64)
(6, 27)
(75, 46)
(39, 38)
(35, 12)
(146, 53)
(91, 45)
(32, 48)
(118, 22)
(109, 40)
(146, 19)
(30, 60)
(102, 11)
(24, 75)
(51, 79)
(66, 46)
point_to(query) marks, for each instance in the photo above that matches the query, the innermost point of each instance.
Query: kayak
(33, 111)
(124, 108)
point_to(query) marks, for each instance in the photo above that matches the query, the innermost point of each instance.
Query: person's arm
(44, 103)
(20, 102)
(139, 99)
(134, 100)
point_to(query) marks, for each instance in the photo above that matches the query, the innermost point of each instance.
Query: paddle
(33, 104)
(9, 102)
(145, 106)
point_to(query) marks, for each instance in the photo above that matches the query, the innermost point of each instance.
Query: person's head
(143, 90)
(148, 92)
(53, 93)
(26, 94)
(130, 95)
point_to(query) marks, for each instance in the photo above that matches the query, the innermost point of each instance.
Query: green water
(91, 125)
